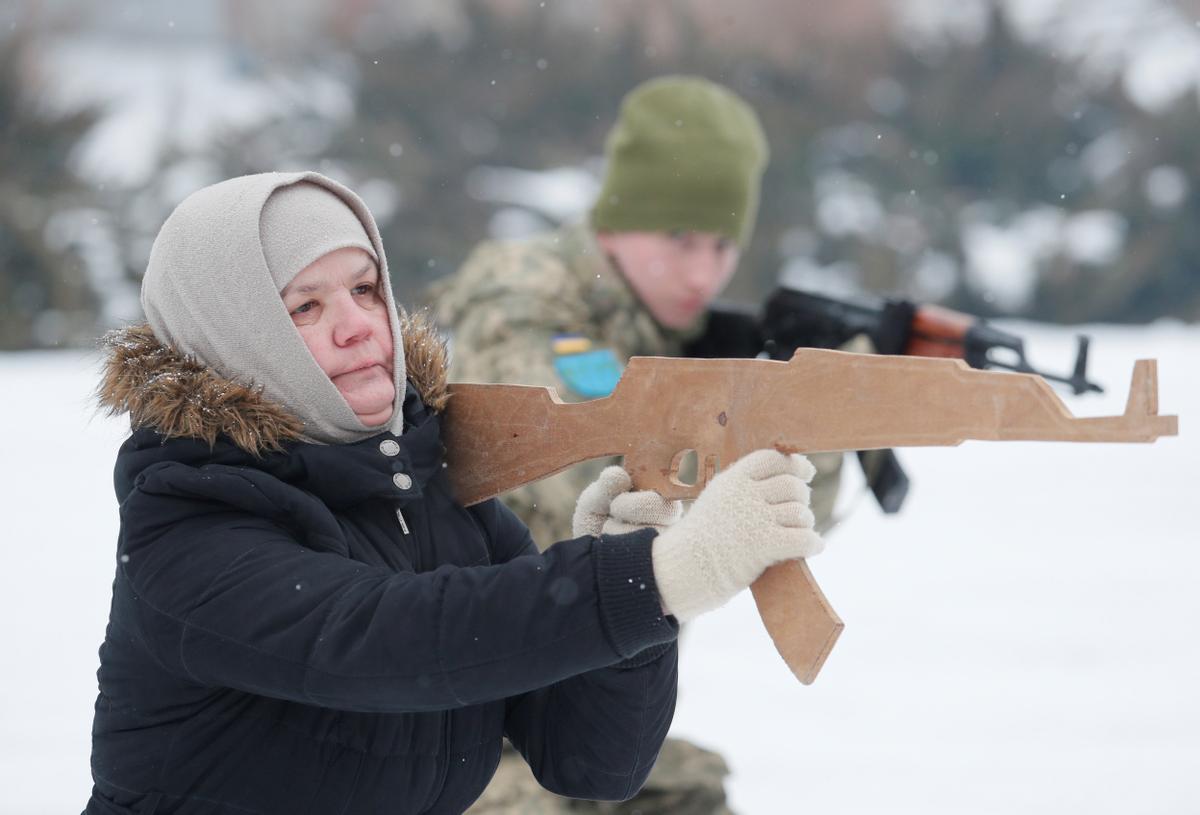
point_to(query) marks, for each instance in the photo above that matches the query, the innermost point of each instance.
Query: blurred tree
(1000, 133)
(1159, 271)
(979, 169)
(44, 295)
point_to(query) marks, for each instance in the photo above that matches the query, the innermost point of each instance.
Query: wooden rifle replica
(500, 437)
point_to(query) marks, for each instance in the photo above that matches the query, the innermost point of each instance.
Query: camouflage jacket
(552, 310)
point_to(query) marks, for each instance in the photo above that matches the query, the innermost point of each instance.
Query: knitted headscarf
(685, 154)
(217, 267)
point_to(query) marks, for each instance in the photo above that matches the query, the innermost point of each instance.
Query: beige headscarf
(212, 287)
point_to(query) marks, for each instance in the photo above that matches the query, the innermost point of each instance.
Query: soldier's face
(676, 274)
(338, 307)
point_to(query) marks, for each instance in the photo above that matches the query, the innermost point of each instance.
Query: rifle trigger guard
(706, 468)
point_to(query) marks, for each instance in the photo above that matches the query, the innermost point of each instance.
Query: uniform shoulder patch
(588, 371)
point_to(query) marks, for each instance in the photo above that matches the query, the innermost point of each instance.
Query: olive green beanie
(685, 153)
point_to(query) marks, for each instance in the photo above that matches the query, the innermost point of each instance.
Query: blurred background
(1020, 639)
(1029, 158)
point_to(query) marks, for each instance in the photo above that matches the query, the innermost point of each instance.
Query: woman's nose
(351, 322)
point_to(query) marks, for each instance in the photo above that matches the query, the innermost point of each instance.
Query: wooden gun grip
(802, 624)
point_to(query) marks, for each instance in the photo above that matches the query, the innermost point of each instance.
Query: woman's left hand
(608, 506)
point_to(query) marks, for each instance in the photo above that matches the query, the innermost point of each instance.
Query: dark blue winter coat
(324, 630)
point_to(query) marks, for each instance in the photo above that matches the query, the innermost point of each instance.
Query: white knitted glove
(751, 516)
(608, 507)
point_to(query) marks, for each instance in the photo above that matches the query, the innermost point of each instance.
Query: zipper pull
(403, 524)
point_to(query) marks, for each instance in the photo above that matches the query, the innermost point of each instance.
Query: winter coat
(302, 628)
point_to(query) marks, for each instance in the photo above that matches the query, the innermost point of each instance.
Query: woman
(303, 619)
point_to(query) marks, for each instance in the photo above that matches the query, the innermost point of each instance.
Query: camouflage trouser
(686, 780)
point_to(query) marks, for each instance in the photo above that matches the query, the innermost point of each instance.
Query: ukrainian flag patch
(564, 344)
(589, 372)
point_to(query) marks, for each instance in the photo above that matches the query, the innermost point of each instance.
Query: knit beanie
(684, 154)
(303, 222)
(212, 285)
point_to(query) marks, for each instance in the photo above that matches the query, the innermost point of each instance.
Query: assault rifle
(794, 319)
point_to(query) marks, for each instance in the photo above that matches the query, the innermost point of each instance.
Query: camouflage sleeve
(825, 486)
(503, 311)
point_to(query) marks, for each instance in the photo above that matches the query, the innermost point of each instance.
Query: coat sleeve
(228, 599)
(596, 735)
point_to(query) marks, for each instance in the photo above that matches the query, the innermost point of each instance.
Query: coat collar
(389, 467)
(180, 397)
(386, 466)
(185, 412)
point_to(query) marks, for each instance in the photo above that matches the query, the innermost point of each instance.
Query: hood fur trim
(180, 397)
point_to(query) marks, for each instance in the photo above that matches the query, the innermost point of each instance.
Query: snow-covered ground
(1023, 638)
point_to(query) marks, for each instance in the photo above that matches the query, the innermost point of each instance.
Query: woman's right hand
(608, 506)
(749, 517)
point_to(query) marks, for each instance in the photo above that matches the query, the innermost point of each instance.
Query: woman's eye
(304, 309)
(365, 288)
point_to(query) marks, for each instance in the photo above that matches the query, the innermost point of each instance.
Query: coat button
(389, 447)
(402, 480)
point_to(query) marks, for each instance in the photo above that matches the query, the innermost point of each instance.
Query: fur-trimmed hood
(178, 396)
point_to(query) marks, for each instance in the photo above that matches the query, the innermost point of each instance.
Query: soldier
(568, 309)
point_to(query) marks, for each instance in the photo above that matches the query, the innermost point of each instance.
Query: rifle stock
(500, 437)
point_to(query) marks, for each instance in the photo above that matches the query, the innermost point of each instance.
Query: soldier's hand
(751, 516)
(607, 506)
